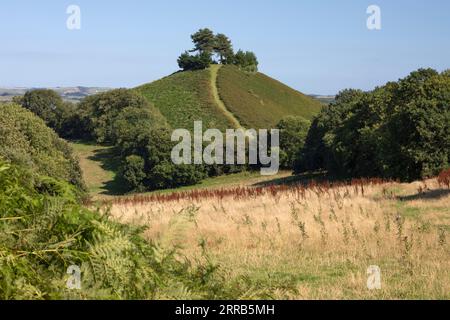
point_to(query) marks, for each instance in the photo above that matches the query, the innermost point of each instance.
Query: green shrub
(99, 112)
(133, 172)
(293, 131)
(26, 140)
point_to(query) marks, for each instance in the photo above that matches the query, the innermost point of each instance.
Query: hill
(259, 101)
(226, 97)
(185, 97)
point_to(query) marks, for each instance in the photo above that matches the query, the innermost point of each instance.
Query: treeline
(208, 45)
(400, 130)
(126, 120)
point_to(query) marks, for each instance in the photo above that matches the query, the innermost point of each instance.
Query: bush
(133, 172)
(293, 131)
(26, 140)
(99, 112)
(246, 61)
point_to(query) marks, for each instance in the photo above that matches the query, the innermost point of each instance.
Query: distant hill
(73, 94)
(226, 97)
(324, 99)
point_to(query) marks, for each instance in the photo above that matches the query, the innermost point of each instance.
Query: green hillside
(259, 101)
(226, 97)
(185, 97)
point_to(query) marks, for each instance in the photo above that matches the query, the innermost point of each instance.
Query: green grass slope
(225, 97)
(259, 101)
(185, 97)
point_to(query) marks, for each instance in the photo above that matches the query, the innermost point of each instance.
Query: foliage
(148, 164)
(400, 130)
(26, 140)
(224, 49)
(246, 61)
(259, 101)
(49, 106)
(141, 137)
(204, 41)
(98, 112)
(293, 131)
(207, 44)
(194, 62)
(42, 234)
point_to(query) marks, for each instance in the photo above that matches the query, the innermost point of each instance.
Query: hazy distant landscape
(72, 94)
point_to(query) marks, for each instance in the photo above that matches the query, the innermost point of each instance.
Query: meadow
(312, 241)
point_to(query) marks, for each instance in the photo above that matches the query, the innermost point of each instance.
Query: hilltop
(226, 97)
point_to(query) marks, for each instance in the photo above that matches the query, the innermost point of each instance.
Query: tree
(293, 131)
(99, 112)
(194, 62)
(47, 105)
(400, 131)
(224, 49)
(204, 41)
(247, 61)
(133, 172)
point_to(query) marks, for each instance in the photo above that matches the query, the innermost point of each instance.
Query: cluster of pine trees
(208, 45)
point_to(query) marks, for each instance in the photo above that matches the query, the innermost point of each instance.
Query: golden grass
(317, 245)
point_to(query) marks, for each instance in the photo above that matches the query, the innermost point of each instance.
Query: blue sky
(315, 46)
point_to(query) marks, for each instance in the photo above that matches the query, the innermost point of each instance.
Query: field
(259, 101)
(309, 242)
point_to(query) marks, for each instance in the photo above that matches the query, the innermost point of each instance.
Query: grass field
(259, 101)
(99, 167)
(289, 241)
(313, 243)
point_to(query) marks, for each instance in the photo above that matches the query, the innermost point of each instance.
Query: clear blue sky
(316, 46)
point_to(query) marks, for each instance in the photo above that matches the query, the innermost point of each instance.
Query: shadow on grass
(304, 178)
(428, 195)
(110, 161)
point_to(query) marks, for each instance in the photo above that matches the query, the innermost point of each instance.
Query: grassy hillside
(259, 101)
(225, 97)
(185, 97)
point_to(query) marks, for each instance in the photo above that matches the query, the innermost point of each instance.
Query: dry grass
(317, 243)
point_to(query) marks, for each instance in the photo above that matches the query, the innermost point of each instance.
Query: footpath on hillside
(215, 91)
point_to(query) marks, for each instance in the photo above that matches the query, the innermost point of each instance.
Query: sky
(315, 46)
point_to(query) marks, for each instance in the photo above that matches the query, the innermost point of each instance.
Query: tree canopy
(207, 46)
(400, 130)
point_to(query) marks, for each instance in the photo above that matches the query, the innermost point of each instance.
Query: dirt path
(215, 91)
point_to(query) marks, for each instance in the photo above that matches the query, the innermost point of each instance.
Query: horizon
(316, 48)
